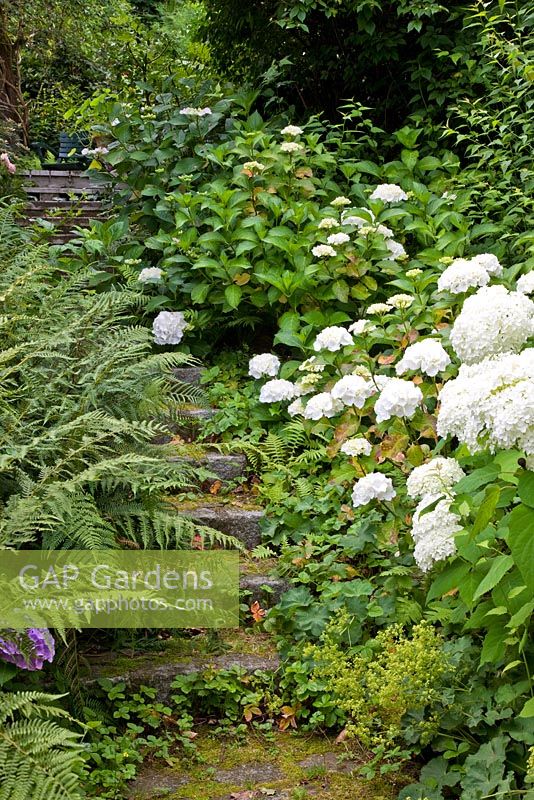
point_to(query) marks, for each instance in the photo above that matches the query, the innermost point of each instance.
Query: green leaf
(233, 295)
(477, 479)
(494, 646)
(499, 567)
(525, 488)
(450, 578)
(521, 541)
(528, 709)
(486, 510)
(200, 292)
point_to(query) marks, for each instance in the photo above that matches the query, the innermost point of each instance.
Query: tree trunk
(13, 109)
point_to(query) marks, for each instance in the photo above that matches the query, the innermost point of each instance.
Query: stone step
(60, 177)
(190, 375)
(62, 221)
(160, 676)
(225, 468)
(264, 589)
(60, 205)
(242, 523)
(62, 191)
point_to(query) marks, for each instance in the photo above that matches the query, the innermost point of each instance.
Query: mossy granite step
(242, 523)
(192, 375)
(223, 467)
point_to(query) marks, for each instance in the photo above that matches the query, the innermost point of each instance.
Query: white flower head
(353, 390)
(328, 222)
(323, 251)
(434, 477)
(396, 249)
(490, 263)
(492, 321)
(332, 338)
(338, 238)
(195, 112)
(149, 275)
(361, 326)
(291, 147)
(374, 486)
(168, 327)
(428, 356)
(253, 166)
(348, 217)
(414, 273)
(401, 301)
(525, 284)
(386, 232)
(264, 365)
(356, 447)
(461, 275)
(389, 193)
(291, 130)
(276, 390)
(312, 364)
(308, 383)
(337, 202)
(433, 532)
(490, 405)
(322, 405)
(398, 398)
(379, 308)
(296, 408)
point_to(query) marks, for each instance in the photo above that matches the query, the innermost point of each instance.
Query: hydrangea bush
(425, 408)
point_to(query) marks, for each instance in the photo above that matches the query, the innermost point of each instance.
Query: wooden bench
(69, 153)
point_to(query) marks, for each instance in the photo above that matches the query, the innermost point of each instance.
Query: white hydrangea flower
(332, 338)
(323, 251)
(490, 405)
(525, 284)
(291, 147)
(490, 263)
(398, 398)
(374, 486)
(433, 532)
(396, 249)
(348, 217)
(296, 408)
(389, 193)
(386, 232)
(265, 364)
(168, 327)
(356, 447)
(338, 238)
(322, 405)
(254, 166)
(276, 390)
(327, 223)
(379, 308)
(308, 383)
(149, 274)
(413, 273)
(340, 201)
(492, 321)
(435, 477)
(195, 112)
(353, 390)
(461, 275)
(361, 326)
(428, 356)
(312, 364)
(291, 130)
(401, 301)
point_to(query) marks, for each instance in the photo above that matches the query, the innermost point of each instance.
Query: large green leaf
(499, 567)
(521, 541)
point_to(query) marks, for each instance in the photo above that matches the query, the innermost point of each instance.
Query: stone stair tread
(224, 467)
(190, 375)
(238, 521)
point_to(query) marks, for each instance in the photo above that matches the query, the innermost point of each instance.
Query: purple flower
(30, 654)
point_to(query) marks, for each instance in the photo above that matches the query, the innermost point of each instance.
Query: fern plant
(40, 759)
(83, 398)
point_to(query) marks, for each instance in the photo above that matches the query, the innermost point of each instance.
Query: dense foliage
(375, 271)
